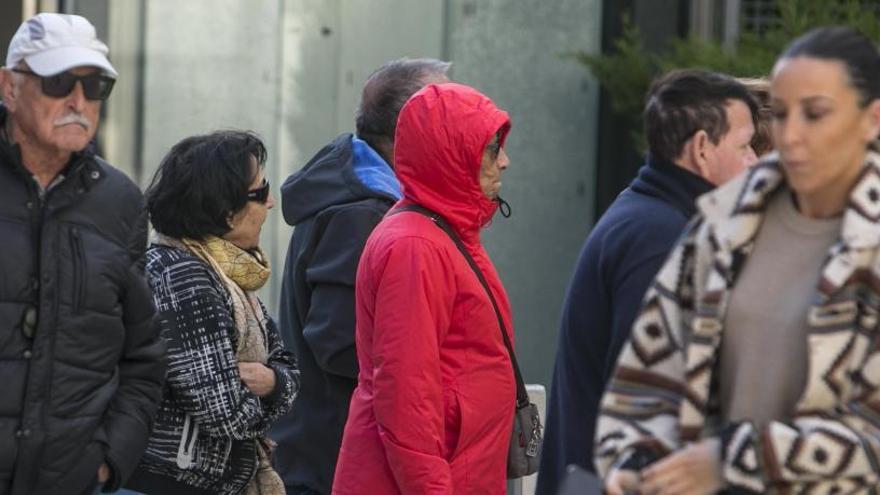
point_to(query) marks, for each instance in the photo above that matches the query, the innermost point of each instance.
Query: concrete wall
(329, 48)
(209, 65)
(10, 18)
(292, 72)
(206, 71)
(510, 49)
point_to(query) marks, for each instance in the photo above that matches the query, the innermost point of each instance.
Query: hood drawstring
(503, 207)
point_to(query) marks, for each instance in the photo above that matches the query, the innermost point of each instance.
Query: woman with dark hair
(754, 365)
(229, 376)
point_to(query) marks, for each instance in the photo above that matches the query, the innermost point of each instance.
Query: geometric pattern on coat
(662, 396)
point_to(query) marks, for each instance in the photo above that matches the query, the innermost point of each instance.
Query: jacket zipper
(79, 269)
(187, 443)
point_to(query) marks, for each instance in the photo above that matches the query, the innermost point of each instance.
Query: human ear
(7, 88)
(699, 151)
(873, 120)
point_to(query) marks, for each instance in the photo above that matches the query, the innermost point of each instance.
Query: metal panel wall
(209, 65)
(10, 18)
(292, 71)
(510, 50)
(329, 48)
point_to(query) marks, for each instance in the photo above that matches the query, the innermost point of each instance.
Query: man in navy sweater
(699, 126)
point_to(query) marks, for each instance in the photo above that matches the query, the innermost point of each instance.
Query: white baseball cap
(53, 43)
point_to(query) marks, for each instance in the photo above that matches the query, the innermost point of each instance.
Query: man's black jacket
(81, 361)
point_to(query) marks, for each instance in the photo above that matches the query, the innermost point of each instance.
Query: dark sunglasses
(96, 86)
(260, 194)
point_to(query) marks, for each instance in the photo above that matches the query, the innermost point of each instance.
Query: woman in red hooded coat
(433, 408)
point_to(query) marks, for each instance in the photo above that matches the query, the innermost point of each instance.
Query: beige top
(764, 348)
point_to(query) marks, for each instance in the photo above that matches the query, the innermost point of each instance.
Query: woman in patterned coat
(754, 366)
(229, 376)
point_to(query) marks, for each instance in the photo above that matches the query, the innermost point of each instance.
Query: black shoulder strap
(522, 397)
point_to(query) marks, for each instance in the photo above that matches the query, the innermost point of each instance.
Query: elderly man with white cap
(81, 360)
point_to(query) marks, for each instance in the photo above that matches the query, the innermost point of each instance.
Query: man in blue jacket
(699, 126)
(334, 202)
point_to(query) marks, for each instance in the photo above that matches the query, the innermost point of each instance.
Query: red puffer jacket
(433, 408)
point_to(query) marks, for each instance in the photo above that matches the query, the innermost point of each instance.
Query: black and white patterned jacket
(203, 440)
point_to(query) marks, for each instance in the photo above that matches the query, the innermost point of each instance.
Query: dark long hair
(853, 49)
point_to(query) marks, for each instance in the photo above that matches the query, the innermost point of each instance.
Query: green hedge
(627, 72)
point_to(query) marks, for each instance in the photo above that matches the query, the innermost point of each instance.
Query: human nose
(788, 131)
(270, 201)
(503, 160)
(76, 100)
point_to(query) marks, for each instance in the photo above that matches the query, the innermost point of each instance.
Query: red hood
(441, 134)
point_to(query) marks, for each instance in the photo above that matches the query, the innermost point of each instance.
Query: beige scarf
(242, 273)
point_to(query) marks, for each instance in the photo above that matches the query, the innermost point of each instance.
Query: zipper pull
(187, 443)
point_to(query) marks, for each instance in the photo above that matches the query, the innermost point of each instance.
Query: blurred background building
(291, 70)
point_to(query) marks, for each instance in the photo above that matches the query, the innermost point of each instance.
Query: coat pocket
(452, 420)
(186, 449)
(80, 270)
(80, 476)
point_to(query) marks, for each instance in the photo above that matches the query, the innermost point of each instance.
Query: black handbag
(524, 452)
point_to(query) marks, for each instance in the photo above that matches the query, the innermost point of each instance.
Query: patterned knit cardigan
(203, 437)
(663, 395)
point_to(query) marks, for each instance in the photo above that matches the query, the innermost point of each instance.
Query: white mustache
(73, 118)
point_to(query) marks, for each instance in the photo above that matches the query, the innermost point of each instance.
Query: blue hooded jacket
(333, 203)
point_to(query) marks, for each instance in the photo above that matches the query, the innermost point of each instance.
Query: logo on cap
(35, 27)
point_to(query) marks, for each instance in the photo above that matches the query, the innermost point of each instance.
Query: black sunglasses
(260, 194)
(95, 86)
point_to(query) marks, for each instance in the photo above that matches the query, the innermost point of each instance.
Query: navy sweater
(617, 263)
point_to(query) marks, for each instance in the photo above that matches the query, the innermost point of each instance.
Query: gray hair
(386, 91)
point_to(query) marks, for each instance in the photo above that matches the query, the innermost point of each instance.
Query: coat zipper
(187, 443)
(79, 269)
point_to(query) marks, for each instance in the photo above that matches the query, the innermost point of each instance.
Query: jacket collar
(733, 216)
(672, 183)
(372, 170)
(735, 211)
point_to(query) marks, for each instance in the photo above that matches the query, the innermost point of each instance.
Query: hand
(621, 482)
(696, 469)
(257, 377)
(103, 473)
